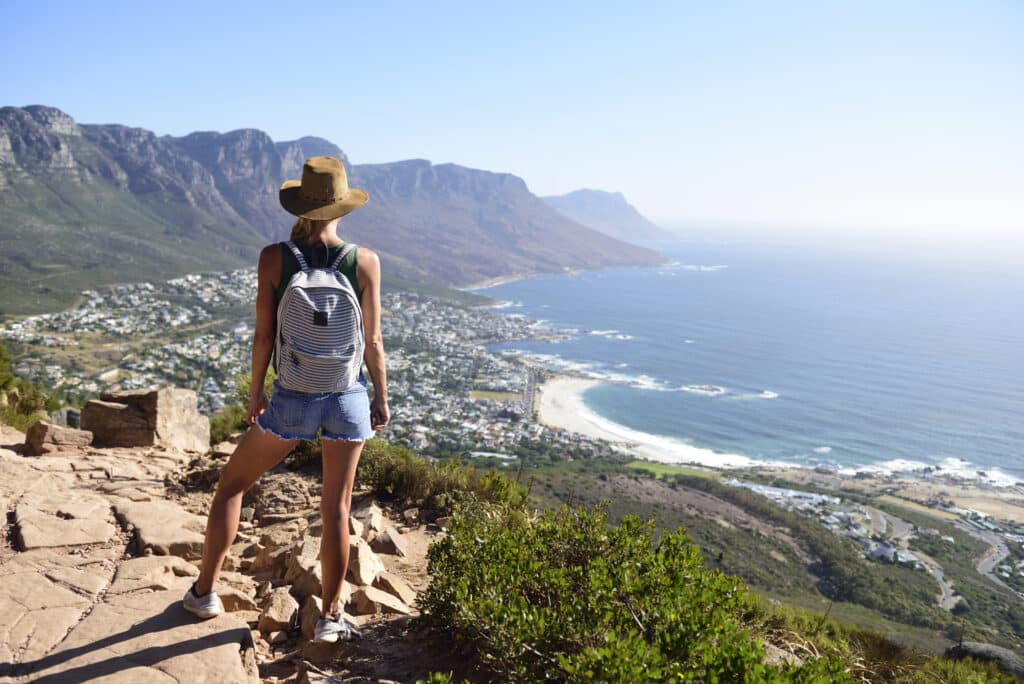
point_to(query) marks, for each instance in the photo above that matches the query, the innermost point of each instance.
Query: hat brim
(294, 203)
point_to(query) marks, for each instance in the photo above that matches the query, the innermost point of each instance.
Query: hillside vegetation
(572, 595)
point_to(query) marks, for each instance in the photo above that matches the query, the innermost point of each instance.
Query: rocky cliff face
(608, 212)
(85, 205)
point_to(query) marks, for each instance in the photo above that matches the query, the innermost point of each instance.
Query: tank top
(289, 266)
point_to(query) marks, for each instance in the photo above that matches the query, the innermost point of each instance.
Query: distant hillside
(608, 212)
(473, 224)
(85, 205)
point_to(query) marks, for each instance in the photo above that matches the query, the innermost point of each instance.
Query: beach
(561, 405)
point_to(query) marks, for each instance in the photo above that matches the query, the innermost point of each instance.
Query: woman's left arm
(368, 271)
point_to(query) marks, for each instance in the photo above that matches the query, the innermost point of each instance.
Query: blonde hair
(302, 229)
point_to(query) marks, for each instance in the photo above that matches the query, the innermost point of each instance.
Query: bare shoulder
(367, 262)
(270, 262)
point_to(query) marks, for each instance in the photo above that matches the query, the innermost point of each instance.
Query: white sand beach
(561, 406)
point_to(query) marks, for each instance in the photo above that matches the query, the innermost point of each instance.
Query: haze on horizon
(894, 121)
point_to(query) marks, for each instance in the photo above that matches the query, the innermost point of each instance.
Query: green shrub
(440, 485)
(565, 597)
(228, 422)
(966, 671)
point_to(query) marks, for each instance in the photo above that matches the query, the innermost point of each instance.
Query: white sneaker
(206, 606)
(330, 630)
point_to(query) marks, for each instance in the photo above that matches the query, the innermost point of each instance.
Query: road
(901, 532)
(878, 524)
(993, 557)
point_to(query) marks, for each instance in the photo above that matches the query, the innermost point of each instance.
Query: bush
(965, 671)
(231, 420)
(441, 485)
(565, 597)
(26, 402)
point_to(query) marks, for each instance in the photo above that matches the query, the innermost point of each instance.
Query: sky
(895, 120)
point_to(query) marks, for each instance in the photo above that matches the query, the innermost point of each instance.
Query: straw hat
(323, 193)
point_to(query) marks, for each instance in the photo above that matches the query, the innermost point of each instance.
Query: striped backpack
(319, 344)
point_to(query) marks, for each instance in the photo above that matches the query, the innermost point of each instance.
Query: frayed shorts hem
(332, 438)
(277, 434)
(292, 438)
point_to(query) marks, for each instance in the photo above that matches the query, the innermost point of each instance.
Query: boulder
(279, 611)
(444, 522)
(389, 541)
(363, 564)
(303, 567)
(371, 601)
(166, 417)
(355, 526)
(312, 609)
(371, 516)
(41, 434)
(396, 586)
(237, 592)
(411, 516)
(283, 495)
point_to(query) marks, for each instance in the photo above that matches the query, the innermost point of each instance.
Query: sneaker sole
(206, 615)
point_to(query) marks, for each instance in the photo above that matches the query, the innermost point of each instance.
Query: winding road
(901, 531)
(993, 557)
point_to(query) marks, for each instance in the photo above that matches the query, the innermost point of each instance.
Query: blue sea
(798, 355)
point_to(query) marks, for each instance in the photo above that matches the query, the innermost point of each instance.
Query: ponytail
(302, 229)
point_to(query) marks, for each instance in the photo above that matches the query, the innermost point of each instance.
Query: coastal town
(455, 391)
(885, 537)
(452, 393)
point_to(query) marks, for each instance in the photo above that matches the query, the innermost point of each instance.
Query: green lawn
(482, 395)
(662, 469)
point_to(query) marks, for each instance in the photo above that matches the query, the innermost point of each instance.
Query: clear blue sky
(904, 118)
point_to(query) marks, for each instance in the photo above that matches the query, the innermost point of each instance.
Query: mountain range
(608, 212)
(83, 205)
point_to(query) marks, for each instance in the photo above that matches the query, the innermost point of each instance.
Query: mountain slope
(467, 225)
(608, 212)
(86, 205)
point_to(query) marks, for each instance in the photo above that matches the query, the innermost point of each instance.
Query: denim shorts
(337, 415)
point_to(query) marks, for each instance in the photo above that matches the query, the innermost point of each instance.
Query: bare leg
(340, 459)
(257, 453)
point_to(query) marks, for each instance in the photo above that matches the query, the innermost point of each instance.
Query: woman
(345, 418)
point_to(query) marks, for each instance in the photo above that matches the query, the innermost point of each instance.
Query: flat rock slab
(44, 594)
(65, 519)
(165, 527)
(148, 637)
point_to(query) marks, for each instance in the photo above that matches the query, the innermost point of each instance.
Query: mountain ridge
(608, 213)
(140, 206)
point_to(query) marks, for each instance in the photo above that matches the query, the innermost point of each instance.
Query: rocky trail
(101, 544)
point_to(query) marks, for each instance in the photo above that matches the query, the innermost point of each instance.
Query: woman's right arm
(267, 276)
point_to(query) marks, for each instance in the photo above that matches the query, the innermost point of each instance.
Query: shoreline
(560, 405)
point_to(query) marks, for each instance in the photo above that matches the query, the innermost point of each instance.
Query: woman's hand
(379, 413)
(257, 405)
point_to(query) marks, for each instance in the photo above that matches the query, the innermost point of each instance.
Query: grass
(662, 469)
(914, 506)
(488, 395)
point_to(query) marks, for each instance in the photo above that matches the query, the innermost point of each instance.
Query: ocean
(798, 355)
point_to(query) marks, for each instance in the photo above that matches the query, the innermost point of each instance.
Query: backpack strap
(344, 253)
(298, 255)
